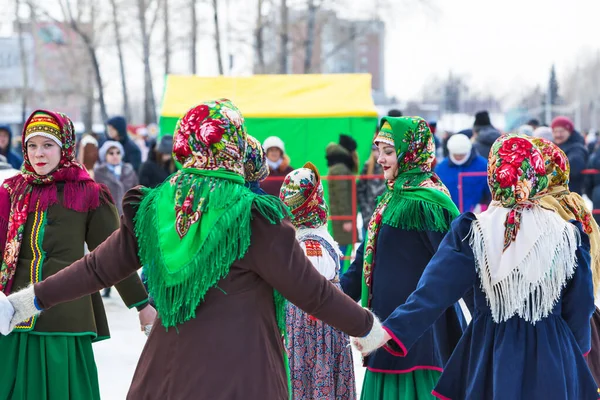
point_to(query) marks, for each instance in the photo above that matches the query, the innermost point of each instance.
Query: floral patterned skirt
(320, 358)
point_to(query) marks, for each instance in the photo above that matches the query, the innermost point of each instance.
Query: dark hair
(533, 122)
(394, 112)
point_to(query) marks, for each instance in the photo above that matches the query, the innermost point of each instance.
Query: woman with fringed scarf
(321, 363)
(48, 212)
(570, 206)
(530, 272)
(220, 261)
(409, 222)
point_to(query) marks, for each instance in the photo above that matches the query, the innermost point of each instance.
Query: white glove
(23, 303)
(6, 313)
(374, 340)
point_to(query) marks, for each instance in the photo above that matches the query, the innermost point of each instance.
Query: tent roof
(275, 96)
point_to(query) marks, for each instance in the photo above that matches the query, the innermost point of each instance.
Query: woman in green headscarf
(409, 222)
(219, 260)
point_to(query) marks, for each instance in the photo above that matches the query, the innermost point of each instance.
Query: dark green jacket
(62, 236)
(340, 192)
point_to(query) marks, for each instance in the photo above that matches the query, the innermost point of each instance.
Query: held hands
(23, 308)
(376, 338)
(147, 317)
(6, 313)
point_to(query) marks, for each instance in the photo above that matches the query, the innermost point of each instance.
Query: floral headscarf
(567, 204)
(28, 192)
(194, 226)
(416, 199)
(302, 193)
(524, 272)
(517, 179)
(256, 168)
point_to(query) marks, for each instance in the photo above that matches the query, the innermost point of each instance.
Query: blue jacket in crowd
(11, 156)
(475, 188)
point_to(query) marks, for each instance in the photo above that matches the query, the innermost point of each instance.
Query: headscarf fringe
(178, 295)
(554, 252)
(413, 214)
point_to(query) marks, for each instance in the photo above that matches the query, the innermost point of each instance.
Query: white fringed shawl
(527, 279)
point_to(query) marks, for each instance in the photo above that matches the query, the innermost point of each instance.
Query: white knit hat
(459, 144)
(273, 141)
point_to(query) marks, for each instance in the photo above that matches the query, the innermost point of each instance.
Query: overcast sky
(501, 45)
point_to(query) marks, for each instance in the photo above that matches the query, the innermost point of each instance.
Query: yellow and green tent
(306, 111)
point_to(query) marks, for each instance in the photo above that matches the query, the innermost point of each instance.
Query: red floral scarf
(28, 192)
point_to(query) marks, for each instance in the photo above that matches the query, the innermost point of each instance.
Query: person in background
(6, 170)
(6, 147)
(525, 129)
(117, 175)
(543, 132)
(484, 133)
(141, 140)
(394, 112)
(534, 123)
(159, 164)
(87, 154)
(116, 129)
(463, 158)
(571, 142)
(368, 190)
(342, 160)
(279, 165)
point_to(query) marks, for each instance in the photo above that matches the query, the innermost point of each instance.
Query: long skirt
(416, 385)
(593, 359)
(37, 367)
(320, 359)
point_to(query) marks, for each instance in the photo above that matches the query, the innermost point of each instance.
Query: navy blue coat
(475, 188)
(400, 259)
(510, 360)
(12, 157)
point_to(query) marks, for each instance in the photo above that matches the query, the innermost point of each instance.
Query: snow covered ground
(117, 357)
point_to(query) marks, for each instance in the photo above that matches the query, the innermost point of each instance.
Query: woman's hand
(6, 314)
(147, 317)
(376, 338)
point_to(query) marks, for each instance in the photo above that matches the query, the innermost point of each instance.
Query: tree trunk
(217, 36)
(92, 51)
(126, 108)
(283, 66)
(194, 40)
(259, 40)
(310, 36)
(88, 114)
(167, 38)
(24, 68)
(149, 104)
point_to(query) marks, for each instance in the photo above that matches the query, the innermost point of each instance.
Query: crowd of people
(248, 298)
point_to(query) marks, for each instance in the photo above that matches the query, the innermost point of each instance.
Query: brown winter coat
(232, 349)
(117, 186)
(65, 234)
(340, 192)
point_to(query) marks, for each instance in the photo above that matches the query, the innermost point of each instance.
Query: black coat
(577, 154)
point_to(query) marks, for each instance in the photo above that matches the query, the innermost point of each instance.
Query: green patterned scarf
(417, 199)
(194, 226)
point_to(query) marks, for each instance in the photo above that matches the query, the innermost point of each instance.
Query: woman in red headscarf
(48, 212)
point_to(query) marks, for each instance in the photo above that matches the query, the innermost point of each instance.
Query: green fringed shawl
(181, 270)
(410, 208)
